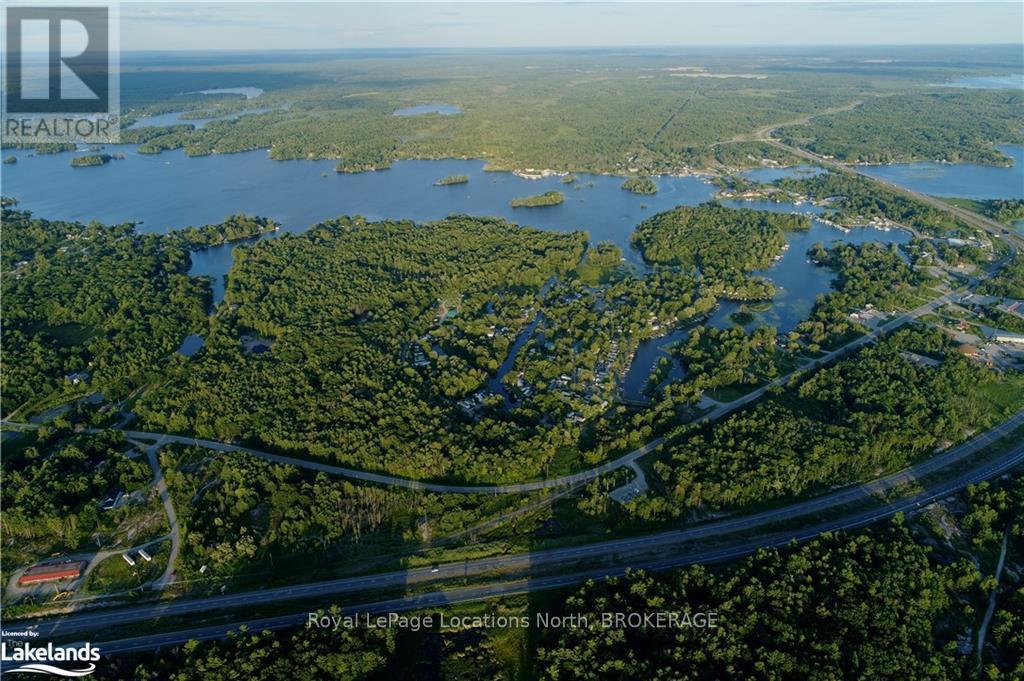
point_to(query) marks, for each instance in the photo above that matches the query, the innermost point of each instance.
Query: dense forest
(452, 179)
(874, 412)
(890, 602)
(303, 655)
(240, 515)
(853, 200)
(640, 185)
(342, 308)
(551, 198)
(103, 305)
(903, 599)
(953, 126)
(91, 160)
(714, 238)
(629, 114)
(233, 228)
(716, 358)
(53, 486)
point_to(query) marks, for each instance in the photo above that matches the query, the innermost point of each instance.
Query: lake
(423, 109)
(247, 92)
(175, 118)
(1013, 81)
(962, 180)
(797, 284)
(773, 173)
(171, 190)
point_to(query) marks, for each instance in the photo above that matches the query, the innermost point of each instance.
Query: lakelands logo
(50, 659)
(61, 81)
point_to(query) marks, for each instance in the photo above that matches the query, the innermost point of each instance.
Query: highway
(632, 551)
(1009, 236)
(653, 552)
(91, 624)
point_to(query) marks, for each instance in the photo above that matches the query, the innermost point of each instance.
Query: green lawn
(114, 574)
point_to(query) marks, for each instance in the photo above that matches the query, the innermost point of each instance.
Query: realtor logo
(61, 79)
(62, 29)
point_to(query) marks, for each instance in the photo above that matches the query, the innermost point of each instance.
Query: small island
(640, 185)
(91, 160)
(10, 160)
(551, 198)
(452, 179)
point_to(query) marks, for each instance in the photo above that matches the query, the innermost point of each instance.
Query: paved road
(89, 625)
(1009, 236)
(1013, 240)
(629, 551)
(628, 459)
(172, 518)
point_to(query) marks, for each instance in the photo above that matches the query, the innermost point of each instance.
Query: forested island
(452, 179)
(712, 237)
(551, 198)
(640, 185)
(91, 160)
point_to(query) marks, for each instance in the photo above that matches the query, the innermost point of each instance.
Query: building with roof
(51, 572)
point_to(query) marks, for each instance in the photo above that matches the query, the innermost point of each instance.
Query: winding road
(628, 459)
(652, 552)
(167, 576)
(632, 551)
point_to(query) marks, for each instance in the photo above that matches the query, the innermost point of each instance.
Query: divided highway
(653, 552)
(632, 551)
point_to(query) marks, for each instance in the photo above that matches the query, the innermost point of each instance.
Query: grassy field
(114, 574)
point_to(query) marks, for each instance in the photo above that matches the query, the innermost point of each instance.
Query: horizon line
(827, 46)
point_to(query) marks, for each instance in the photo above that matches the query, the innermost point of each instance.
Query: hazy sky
(332, 25)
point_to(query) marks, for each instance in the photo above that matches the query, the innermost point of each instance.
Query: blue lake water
(646, 359)
(422, 109)
(1013, 81)
(191, 345)
(171, 190)
(777, 173)
(175, 118)
(797, 284)
(962, 180)
(247, 92)
(797, 281)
